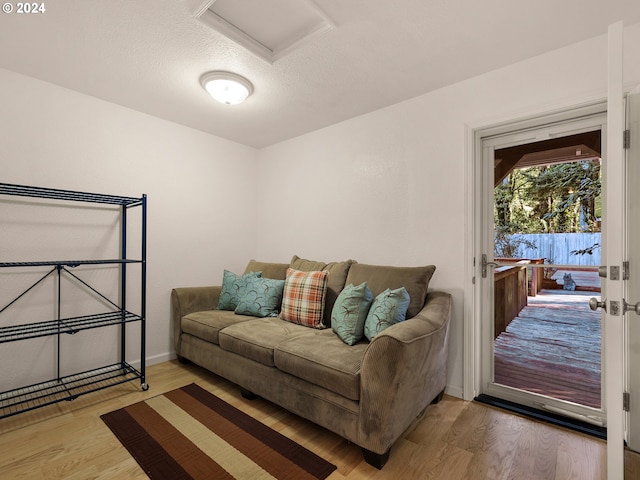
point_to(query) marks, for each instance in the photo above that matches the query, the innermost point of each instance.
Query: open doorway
(547, 219)
(541, 243)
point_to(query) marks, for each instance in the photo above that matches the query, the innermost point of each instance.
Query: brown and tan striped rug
(190, 433)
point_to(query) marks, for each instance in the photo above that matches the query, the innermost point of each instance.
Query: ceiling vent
(270, 29)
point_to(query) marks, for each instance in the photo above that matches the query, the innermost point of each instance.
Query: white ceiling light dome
(226, 87)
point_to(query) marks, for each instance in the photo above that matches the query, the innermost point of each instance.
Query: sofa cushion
(233, 289)
(303, 297)
(277, 271)
(321, 358)
(337, 277)
(388, 308)
(257, 338)
(262, 297)
(379, 278)
(208, 323)
(350, 312)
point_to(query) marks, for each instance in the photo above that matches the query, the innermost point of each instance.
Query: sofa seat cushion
(208, 323)
(257, 338)
(320, 357)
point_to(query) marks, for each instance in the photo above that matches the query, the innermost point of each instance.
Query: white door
(614, 256)
(622, 259)
(633, 249)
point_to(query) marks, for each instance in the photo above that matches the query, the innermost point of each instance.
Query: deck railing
(535, 275)
(510, 292)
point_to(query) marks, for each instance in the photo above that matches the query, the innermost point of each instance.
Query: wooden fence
(511, 285)
(557, 247)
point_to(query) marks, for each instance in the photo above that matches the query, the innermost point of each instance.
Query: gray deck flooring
(553, 348)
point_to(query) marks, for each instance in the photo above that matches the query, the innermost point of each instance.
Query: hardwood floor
(453, 440)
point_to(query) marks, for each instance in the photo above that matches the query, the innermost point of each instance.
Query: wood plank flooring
(453, 440)
(553, 348)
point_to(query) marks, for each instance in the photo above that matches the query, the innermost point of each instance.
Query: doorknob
(627, 307)
(594, 304)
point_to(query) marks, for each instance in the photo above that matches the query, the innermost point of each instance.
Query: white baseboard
(454, 391)
(163, 357)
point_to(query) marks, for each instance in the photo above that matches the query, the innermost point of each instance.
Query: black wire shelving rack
(70, 387)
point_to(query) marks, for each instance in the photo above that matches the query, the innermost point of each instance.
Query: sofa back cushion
(380, 277)
(335, 282)
(277, 271)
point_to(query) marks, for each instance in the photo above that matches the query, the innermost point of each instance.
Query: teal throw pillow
(262, 297)
(233, 289)
(388, 308)
(350, 312)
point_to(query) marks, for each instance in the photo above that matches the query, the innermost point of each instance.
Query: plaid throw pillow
(303, 297)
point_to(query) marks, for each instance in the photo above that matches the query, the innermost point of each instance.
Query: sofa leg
(183, 360)
(439, 397)
(247, 394)
(375, 459)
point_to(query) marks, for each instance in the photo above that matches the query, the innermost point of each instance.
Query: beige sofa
(369, 392)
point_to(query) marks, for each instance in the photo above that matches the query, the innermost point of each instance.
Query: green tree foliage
(561, 198)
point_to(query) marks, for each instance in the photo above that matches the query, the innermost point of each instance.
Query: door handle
(627, 307)
(594, 304)
(486, 264)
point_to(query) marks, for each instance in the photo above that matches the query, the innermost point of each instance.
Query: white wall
(54, 137)
(389, 187)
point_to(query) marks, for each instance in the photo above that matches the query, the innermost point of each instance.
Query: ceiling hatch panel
(269, 29)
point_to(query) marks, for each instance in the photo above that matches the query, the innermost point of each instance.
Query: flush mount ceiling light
(226, 87)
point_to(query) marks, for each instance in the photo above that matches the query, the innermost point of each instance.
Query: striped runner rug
(189, 433)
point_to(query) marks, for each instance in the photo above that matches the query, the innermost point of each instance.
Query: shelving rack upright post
(69, 387)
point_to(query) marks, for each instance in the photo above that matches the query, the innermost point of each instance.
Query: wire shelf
(68, 263)
(57, 194)
(68, 326)
(66, 388)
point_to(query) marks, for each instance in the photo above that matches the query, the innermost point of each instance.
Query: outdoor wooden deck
(553, 347)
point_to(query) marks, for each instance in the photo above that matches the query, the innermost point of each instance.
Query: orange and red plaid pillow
(303, 297)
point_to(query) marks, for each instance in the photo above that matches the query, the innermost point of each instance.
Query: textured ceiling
(148, 55)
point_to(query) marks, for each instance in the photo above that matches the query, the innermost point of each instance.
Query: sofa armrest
(187, 300)
(403, 370)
